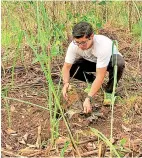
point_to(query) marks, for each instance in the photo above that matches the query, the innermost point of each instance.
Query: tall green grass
(66, 15)
(105, 140)
(114, 90)
(138, 29)
(98, 133)
(46, 67)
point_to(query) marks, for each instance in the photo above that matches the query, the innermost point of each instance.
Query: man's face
(84, 43)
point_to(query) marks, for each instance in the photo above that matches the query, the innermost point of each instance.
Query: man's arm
(66, 72)
(100, 75)
(66, 78)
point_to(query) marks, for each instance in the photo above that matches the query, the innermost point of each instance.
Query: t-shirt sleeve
(71, 54)
(104, 51)
(103, 58)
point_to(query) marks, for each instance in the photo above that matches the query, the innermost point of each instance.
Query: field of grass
(35, 37)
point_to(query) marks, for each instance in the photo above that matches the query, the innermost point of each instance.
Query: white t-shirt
(100, 52)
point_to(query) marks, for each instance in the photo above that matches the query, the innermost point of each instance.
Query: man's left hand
(87, 106)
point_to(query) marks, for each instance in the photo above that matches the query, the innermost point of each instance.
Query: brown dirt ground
(30, 85)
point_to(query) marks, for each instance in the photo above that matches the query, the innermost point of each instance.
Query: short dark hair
(82, 29)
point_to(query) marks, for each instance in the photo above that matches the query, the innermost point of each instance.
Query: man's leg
(120, 67)
(79, 69)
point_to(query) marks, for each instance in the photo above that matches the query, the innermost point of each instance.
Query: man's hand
(64, 91)
(87, 106)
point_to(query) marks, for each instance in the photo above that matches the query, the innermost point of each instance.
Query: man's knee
(118, 60)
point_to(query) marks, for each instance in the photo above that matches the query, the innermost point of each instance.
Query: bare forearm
(66, 77)
(100, 75)
(95, 87)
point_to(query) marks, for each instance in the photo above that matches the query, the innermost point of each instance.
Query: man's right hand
(64, 91)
